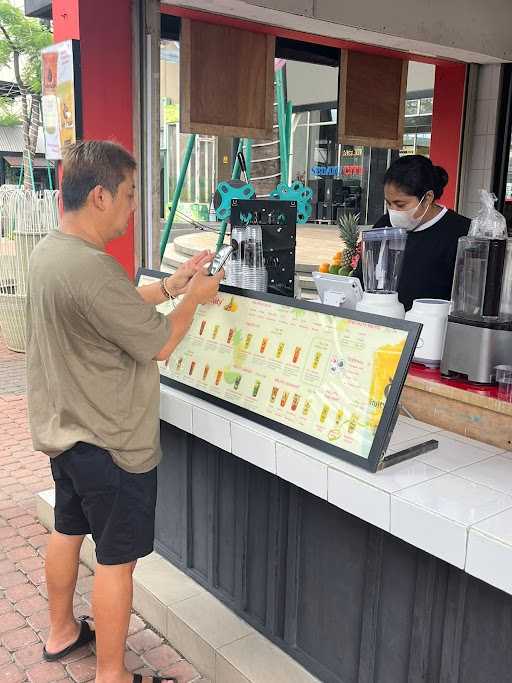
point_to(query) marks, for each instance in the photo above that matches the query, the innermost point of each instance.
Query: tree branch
(16, 59)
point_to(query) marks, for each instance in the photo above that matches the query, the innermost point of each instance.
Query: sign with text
(324, 375)
(60, 100)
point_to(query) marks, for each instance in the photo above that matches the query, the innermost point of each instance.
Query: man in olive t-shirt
(93, 392)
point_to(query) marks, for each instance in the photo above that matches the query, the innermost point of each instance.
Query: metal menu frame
(390, 412)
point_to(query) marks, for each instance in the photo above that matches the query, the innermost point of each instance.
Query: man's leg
(62, 560)
(112, 602)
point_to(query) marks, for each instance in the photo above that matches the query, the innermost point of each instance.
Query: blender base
(381, 303)
(474, 352)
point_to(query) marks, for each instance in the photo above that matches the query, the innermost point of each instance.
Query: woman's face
(398, 200)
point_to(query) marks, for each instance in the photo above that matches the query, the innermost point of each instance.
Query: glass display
(329, 378)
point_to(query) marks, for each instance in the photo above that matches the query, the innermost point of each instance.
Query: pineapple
(349, 233)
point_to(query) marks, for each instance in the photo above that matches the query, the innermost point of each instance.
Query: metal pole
(50, 179)
(281, 121)
(177, 193)
(248, 157)
(235, 175)
(289, 116)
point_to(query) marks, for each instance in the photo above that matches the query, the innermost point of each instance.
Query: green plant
(21, 42)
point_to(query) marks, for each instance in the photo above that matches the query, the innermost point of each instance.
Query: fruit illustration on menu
(385, 363)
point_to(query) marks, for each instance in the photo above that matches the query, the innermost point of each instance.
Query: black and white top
(429, 259)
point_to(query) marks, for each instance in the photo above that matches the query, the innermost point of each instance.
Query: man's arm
(201, 290)
(176, 283)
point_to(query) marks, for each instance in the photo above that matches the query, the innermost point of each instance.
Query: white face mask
(405, 218)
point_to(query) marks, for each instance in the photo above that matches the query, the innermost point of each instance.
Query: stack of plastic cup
(504, 380)
(234, 271)
(254, 273)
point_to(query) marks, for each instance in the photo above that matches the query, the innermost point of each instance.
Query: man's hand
(179, 281)
(203, 288)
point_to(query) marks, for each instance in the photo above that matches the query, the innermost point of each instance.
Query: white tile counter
(455, 502)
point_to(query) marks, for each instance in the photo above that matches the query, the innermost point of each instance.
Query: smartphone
(220, 259)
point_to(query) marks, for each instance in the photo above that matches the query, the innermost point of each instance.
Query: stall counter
(454, 503)
(458, 407)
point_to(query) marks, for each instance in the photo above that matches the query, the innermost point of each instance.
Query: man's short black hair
(90, 163)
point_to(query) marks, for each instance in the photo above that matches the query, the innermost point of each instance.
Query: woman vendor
(412, 188)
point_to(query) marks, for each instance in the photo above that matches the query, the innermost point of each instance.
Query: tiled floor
(23, 602)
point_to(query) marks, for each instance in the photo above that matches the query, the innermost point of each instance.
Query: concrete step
(209, 635)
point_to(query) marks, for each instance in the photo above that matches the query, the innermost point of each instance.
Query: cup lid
(379, 234)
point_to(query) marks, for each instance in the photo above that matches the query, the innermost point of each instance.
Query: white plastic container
(433, 315)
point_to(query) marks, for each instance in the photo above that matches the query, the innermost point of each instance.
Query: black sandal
(137, 678)
(86, 635)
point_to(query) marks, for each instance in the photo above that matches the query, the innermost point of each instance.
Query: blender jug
(382, 256)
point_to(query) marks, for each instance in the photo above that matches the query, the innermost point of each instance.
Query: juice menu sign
(324, 376)
(58, 97)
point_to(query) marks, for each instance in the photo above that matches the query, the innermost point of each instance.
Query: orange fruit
(323, 268)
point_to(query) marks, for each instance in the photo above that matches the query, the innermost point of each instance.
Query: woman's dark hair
(416, 175)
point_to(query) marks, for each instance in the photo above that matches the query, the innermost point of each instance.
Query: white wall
(468, 24)
(480, 139)
(467, 30)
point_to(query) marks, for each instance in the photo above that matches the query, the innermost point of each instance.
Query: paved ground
(23, 601)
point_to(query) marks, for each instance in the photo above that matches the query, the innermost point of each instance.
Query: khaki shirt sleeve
(119, 314)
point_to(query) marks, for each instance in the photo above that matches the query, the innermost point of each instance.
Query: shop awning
(38, 162)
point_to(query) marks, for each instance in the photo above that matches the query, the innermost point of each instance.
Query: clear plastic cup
(504, 380)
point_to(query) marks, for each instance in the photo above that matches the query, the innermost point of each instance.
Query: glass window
(411, 107)
(202, 173)
(423, 144)
(409, 145)
(426, 106)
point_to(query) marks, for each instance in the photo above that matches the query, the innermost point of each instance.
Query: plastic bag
(489, 223)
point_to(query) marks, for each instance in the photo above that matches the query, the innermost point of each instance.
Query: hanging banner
(60, 100)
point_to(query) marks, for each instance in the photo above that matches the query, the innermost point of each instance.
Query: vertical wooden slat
(213, 512)
(241, 535)
(277, 558)
(371, 606)
(453, 627)
(422, 618)
(293, 567)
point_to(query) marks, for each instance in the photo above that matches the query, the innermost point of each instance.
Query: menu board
(327, 376)
(60, 89)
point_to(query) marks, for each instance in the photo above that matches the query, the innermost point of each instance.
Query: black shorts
(94, 495)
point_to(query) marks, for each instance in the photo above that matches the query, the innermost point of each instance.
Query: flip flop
(137, 678)
(85, 636)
